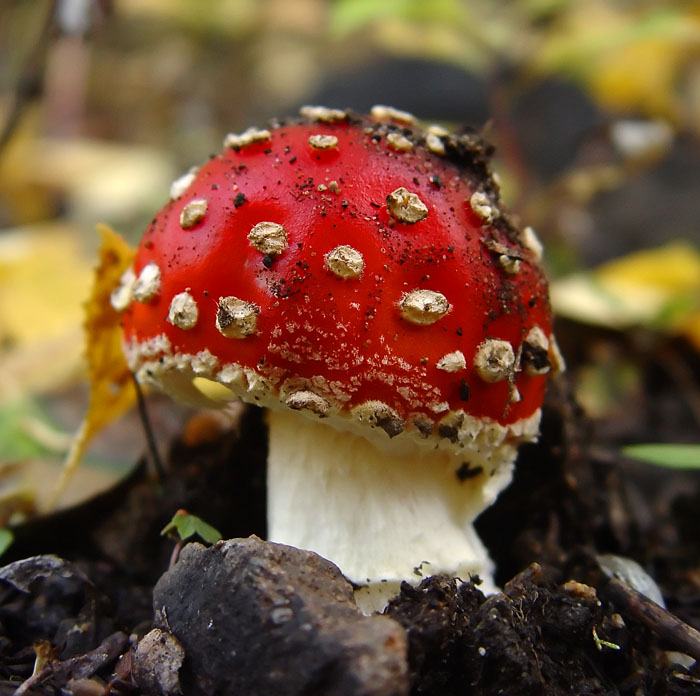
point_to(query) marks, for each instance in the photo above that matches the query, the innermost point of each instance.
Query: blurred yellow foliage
(92, 179)
(630, 58)
(44, 277)
(229, 17)
(658, 288)
(111, 387)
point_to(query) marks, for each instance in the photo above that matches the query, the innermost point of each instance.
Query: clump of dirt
(539, 636)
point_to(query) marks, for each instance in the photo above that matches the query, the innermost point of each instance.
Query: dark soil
(77, 593)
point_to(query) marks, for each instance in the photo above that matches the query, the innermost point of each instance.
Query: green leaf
(671, 456)
(575, 52)
(6, 539)
(348, 16)
(16, 438)
(186, 526)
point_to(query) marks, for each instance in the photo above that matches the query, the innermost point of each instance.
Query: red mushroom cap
(361, 270)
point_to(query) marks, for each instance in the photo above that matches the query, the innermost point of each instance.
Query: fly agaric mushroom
(360, 279)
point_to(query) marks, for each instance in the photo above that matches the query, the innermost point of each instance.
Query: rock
(157, 660)
(259, 618)
(54, 601)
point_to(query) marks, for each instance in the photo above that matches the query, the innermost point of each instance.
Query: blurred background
(593, 105)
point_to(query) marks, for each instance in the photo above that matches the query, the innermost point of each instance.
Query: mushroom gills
(381, 517)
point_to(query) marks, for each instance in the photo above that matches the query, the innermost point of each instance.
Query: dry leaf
(658, 288)
(44, 276)
(111, 386)
(631, 58)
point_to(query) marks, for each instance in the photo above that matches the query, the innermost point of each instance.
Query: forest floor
(78, 591)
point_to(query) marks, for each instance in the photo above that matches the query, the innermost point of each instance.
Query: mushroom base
(382, 518)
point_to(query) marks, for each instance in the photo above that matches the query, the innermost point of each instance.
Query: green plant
(184, 526)
(672, 456)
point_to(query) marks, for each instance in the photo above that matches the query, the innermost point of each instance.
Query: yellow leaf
(659, 288)
(111, 387)
(670, 269)
(691, 329)
(642, 76)
(44, 276)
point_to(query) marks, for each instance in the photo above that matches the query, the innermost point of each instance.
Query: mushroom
(357, 291)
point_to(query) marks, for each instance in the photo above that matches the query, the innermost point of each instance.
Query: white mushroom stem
(380, 517)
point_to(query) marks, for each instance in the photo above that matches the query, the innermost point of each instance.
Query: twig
(682, 375)
(664, 624)
(29, 83)
(148, 430)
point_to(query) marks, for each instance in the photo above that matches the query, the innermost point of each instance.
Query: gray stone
(261, 618)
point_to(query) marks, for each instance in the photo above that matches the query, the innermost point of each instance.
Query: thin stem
(176, 553)
(148, 431)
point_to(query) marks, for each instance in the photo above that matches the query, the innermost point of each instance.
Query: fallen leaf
(44, 277)
(19, 422)
(111, 386)
(670, 455)
(656, 288)
(94, 179)
(631, 58)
